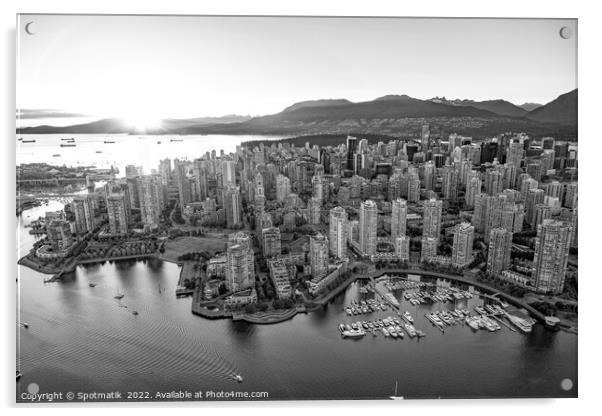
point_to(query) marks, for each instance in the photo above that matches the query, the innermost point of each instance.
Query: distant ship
(159, 142)
(99, 151)
(119, 296)
(91, 284)
(68, 145)
(176, 140)
(28, 141)
(19, 375)
(56, 155)
(237, 377)
(108, 141)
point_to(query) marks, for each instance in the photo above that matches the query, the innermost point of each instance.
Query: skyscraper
(534, 197)
(473, 190)
(541, 212)
(116, 210)
(228, 173)
(317, 187)
(526, 185)
(551, 256)
(449, 186)
(368, 227)
(318, 255)
(431, 220)
(493, 182)
(271, 242)
(399, 213)
(151, 197)
(351, 149)
(429, 176)
(337, 233)
(233, 206)
(500, 248)
(165, 170)
(462, 248)
(314, 209)
(183, 183)
(514, 154)
(238, 274)
(402, 247)
(84, 214)
(428, 249)
(413, 187)
(59, 234)
(283, 187)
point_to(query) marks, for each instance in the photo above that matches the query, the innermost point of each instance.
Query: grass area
(182, 245)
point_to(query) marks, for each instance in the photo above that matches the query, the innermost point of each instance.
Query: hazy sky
(145, 67)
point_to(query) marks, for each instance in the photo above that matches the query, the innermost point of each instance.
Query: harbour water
(138, 150)
(82, 339)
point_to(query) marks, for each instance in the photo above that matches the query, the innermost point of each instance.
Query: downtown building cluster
(505, 205)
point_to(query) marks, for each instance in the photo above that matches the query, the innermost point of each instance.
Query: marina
(454, 309)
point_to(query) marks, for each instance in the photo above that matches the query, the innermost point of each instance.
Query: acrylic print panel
(295, 208)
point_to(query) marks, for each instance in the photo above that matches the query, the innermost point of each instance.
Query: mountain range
(394, 115)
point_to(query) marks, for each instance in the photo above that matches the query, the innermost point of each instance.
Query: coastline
(274, 317)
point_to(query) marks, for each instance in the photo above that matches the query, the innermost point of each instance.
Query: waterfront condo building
(551, 256)
(367, 227)
(318, 255)
(337, 232)
(84, 213)
(462, 247)
(239, 276)
(59, 234)
(500, 247)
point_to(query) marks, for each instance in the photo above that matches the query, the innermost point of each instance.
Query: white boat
(408, 317)
(238, 378)
(473, 322)
(354, 333)
(399, 331)
(520, 323)
(410, 330)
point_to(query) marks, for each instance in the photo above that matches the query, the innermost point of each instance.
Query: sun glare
(144, 123)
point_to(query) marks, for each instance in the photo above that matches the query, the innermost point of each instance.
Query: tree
(222, 289)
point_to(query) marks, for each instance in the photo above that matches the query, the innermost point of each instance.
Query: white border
(589, 129)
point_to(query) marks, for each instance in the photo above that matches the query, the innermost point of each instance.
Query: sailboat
(396, 397)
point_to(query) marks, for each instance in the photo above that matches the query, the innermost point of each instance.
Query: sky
(144, 68)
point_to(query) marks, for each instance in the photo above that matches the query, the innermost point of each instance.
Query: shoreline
(309, 306)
